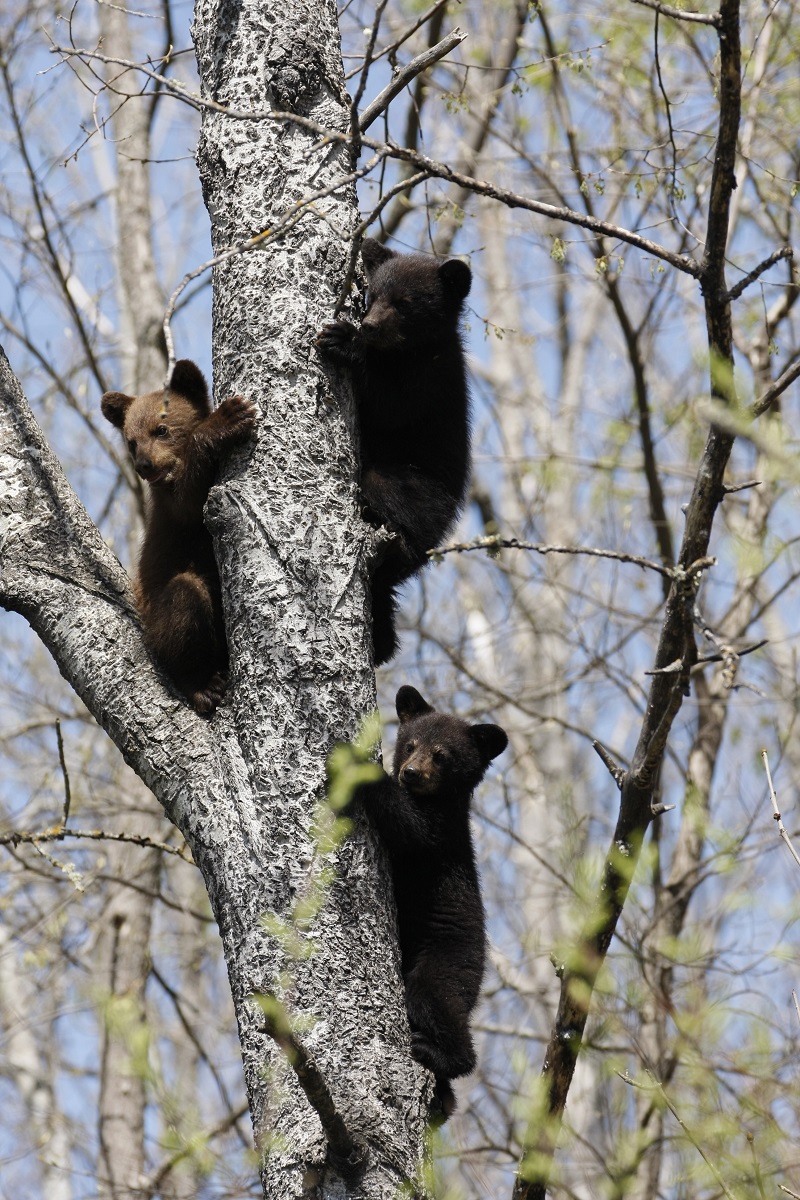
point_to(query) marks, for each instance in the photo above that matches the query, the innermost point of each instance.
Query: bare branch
(615, 770)
(752, 276)
(59, 834)
(678, 14)
(706, 659)
(681, 262)
(730, 488)
(355, 127)
(776, 389)
(404, 75)
(65, 774)
(494, 543)
(412, 29)
(776, 811)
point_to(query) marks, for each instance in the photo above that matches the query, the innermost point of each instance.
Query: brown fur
(410, 384)
(176, 451)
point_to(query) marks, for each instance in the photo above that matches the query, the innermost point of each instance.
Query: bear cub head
(412, 299)
(439, 754)
(156, 436)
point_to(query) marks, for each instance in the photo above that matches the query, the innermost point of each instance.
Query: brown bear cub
(410, 386)
(176, 451)
(421, 812)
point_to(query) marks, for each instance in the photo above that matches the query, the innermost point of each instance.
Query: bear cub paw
(335, 341)
(239, 416)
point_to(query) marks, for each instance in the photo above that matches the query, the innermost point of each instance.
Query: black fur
(410, 385)
(421, 811)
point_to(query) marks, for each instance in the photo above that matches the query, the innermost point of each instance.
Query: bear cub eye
(131, 446)
(440, 757)
(410, 747)
(161, 431)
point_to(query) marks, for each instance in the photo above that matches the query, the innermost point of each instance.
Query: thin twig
(492, 543)
(730, 488)
(657, 1087)
(64, 772)
(705, 659)
(776, 811)
(355, 126)
(59, 833)
(402, 77)
(668, 111)
(155, 1180)
(175, 87)
(678, 14)
(389, 50)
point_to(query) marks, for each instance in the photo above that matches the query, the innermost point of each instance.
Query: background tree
(591, 364)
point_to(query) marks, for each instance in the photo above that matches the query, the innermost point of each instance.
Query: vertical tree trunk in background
(124, 943)
(25, 1063)
(140, 297)
(124, 955)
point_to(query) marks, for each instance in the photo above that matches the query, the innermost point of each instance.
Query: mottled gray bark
(292, 552)
(289, 533)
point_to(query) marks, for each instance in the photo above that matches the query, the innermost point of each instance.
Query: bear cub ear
(456, 277)
(410, 704)
(114, 406)
(491, 740)
(373, 254)
(188, 381)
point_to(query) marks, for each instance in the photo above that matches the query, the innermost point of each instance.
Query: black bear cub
(421, 811)
(410, 386)
(176, 451)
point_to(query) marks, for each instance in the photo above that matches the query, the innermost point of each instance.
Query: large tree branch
(57, 571)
